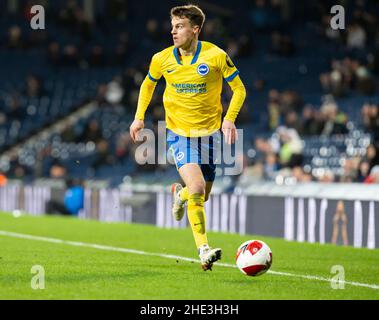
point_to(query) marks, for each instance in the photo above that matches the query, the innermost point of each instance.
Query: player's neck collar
(195, 57)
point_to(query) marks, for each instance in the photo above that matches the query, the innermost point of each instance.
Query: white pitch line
(170, 256)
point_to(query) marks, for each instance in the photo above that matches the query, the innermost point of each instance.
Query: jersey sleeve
(155, 70)
(238, 98)
(227, 67)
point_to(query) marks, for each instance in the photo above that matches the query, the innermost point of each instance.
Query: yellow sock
(184, 194)
(196, 217)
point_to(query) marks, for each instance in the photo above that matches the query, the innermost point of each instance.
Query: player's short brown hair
(194, 14)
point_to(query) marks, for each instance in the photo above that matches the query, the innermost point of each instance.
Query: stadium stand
(311, 113)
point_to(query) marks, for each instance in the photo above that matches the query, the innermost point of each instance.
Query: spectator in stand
(335, 120)
(67, 14)
(103, 155)
(70, 56)
(350, 170)
(18, 172)
(327, 176)
(281, 104)
(153, 31)
(259, 85)
(245, 46)
(373, 58)
(68, 134)
(3, 118)
(100, 95)
(311, 123)
(33, 87)
(290, 100)
(72, 18)
(334, 83)
(372, 155)
(92, 132)
(290, 154)
(123, 144)
(131, 79)
(214, 31)
(114, 92)
(74, 196)
(273, 109)
(327, 31)
(363, 171)
(374, 175)
(365, 83)
(293, 121)
(271, 166)
(370, 115)
(15, 110)
(348, 74)
(58, 171)
(73, 200)
(264, 147)
(239, 48)
(15, 39)
(96, 58)
(300, 175)
(53, 54)
(251, 172)
(282, 44)
(356, 36)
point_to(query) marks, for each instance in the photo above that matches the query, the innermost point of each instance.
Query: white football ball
(254, 257)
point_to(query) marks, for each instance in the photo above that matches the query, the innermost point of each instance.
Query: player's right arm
(145, 94)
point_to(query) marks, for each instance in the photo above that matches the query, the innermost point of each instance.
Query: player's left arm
(231, 75)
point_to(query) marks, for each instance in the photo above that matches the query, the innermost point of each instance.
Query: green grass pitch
(82, 272)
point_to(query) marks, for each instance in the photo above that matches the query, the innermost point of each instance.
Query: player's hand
(230, 131)
(135, 127)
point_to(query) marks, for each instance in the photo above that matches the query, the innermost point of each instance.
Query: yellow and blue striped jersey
(192, 98)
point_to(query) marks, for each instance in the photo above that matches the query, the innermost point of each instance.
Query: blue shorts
(202, 150)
